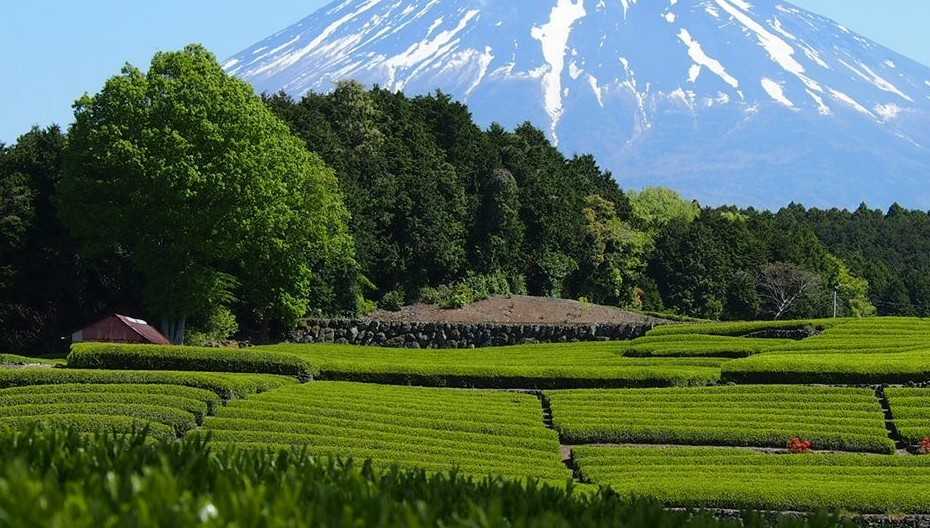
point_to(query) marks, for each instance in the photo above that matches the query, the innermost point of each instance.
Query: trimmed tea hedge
(438, 429)
(808, 368)
(39, 393)
(227, 386)
(575, 365)
(698, 345)
(911, 410)
(741, 328)
(880, 335)
(157, 357)
(98, 407)
(742, 479)
(89, 424)
(763, 416)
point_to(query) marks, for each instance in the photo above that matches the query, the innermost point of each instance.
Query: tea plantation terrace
(693, 415)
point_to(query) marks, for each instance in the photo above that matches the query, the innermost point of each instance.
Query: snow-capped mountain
(753, 102)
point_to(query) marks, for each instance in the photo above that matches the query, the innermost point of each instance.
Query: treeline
(179, 194)
(436, 200)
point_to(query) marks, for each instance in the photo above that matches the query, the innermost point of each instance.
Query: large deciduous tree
(615, 254)
(187, 172)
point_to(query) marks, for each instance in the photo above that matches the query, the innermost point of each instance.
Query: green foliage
(393, 301)
(407, 202)
(553, 269)
(889, 249)
(574, 365)
(654, 208)
(47, 289)
(227, 386)
(472, 289)
(479, 433)
(614, 257)
(218, 327)
(852, 291)
(64, 479)
(158, 357)
(760, 416)
(434, 199)
(212, 198)
(500, 231)
(737, 478)
(16, 211)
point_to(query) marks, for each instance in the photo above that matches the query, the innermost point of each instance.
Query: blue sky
(55, 50)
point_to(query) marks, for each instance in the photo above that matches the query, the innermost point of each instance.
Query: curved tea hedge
(166, 410)
(157, 357)
(227, 386)
(830, 368)
(198, 402)
(698, 345)
(763, 416)
(741, 328)
(479, 432)
(743, 479)
(574, 365)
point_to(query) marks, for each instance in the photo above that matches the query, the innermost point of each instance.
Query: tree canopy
(183, 169)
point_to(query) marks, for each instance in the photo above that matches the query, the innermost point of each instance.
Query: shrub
(393, 301)
(219, 327)
(472, 289)
(156, 357)
(797, 445)
(460, 296)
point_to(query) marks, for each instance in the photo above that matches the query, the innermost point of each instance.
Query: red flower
(925, 446)
(798, 445)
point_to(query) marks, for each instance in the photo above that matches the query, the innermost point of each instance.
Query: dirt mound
(517, 309)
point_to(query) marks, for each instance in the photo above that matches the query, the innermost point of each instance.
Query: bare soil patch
(518, 309)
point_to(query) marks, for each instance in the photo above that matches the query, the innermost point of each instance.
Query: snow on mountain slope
(755, 102)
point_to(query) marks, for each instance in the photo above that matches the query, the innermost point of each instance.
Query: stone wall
(456, 335)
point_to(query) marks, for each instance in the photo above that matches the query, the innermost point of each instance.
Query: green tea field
(725, 416)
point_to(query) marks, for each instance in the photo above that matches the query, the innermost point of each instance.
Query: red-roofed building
(120, 329)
